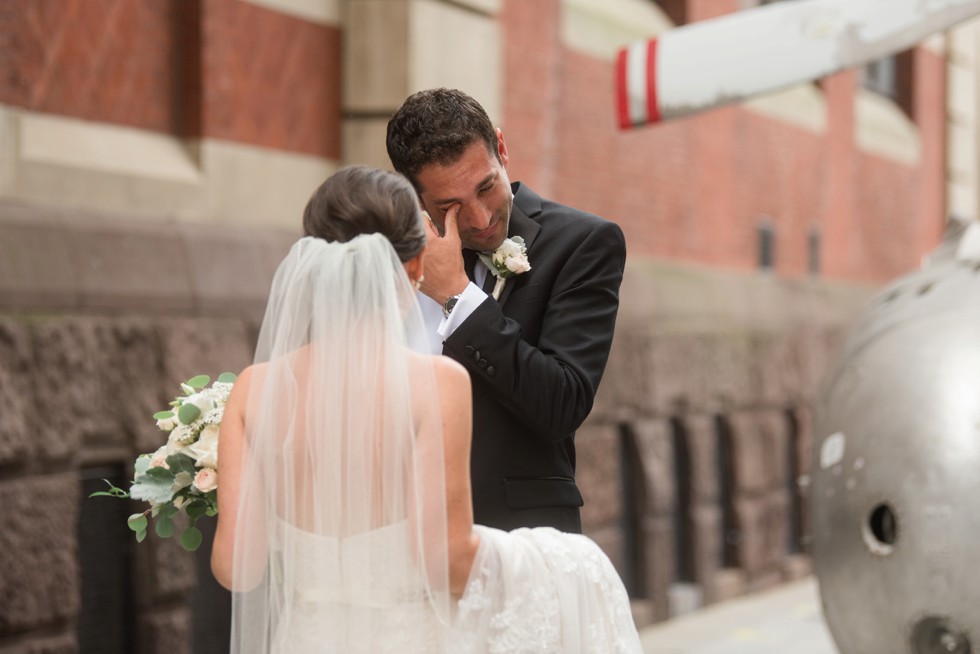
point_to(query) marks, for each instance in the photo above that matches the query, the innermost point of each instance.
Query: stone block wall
(78, 392)
(100, 319)
(710, 387)
(689, 464)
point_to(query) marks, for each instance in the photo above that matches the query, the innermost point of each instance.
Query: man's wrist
(450, 304)
(459, 288)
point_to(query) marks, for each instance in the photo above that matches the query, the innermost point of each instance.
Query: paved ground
(783, 620)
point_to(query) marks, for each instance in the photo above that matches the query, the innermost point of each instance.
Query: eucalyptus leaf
(163, 415)
(116, 493)
(181, 463)
(212, 511)
(142, 464)
(187, 389)
(137, 522)
(188, 413)
(140, 535)
(112, 492)
(153, 489)
(195, 510)
(182, 480)
(165, 526)
(198, 382)
(158, 472)
(191, 539)
(227, 378)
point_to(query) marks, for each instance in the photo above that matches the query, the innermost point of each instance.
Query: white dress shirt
(439, 327)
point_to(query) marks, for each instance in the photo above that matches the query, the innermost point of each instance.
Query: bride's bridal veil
(342, 526)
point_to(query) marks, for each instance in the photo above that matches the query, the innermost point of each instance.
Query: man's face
(478, 183)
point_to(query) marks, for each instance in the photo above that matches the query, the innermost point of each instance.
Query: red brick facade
(697, 189)
(109, 61)
(694, 190)
(270, 79)
(216, 68)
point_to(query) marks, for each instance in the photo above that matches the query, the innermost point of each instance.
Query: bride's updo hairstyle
(364, 200)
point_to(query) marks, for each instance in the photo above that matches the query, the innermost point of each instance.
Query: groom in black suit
(536, 353)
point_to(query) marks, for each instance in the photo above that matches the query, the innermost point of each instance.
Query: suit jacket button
(468, 349)
(476, 355)
(491, 371)
(482, 363)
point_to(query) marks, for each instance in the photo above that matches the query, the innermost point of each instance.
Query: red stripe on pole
(622, 93)
(653, 109)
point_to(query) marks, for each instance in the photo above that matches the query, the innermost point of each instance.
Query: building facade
(155, 156)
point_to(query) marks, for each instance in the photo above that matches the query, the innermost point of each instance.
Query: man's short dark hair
(435, 127)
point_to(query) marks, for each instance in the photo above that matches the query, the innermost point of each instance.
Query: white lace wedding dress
(545, 592)
(534, 591)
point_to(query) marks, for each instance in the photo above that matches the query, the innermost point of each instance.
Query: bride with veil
(346, 522)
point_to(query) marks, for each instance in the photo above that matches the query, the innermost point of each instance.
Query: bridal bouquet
(182, 474)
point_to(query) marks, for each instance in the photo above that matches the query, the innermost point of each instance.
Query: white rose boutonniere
(506, 261)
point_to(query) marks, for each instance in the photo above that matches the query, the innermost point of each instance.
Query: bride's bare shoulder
(448, 373)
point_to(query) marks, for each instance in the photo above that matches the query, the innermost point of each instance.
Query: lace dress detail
(544, 592)
(531, 591)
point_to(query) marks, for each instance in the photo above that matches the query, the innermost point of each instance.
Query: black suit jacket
(535, 358)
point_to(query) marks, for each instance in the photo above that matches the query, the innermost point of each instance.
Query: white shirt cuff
(471, 297)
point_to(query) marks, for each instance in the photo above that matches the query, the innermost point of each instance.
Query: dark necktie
(470, 257)
(469, 263)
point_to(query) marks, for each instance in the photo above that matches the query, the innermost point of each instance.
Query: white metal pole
(740, 55)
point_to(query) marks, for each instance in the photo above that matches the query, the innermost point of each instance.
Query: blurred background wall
(155, 156)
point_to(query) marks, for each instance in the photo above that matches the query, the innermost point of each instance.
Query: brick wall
(106, 61)
(703, 424)
(269, 79)
(695, 189)
(221, 69)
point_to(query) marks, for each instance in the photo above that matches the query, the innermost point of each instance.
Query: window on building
(731, 531)
(107, 614)
(676, 10)
(766, 245)
(880, 77)
(635, 503)
(813, 251)
(891, 77)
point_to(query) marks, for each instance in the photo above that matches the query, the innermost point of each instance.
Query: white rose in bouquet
(205, 450)
(206, 480)
(159, 458)
(202, 400)
(167, 424)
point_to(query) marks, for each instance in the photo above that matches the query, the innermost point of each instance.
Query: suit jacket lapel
(526, 204)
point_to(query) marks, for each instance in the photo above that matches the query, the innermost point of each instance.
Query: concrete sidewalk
(786, 619)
